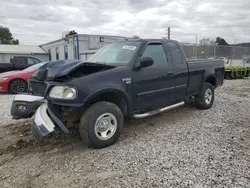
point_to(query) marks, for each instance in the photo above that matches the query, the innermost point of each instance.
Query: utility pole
(168, 33)
(196, 43)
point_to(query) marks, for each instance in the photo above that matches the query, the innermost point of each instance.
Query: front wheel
(205, 99)
(101, 124)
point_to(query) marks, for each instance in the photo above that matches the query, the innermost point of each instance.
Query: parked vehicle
(25, 105)
(134, 78)
(18, 63)
(17, 81)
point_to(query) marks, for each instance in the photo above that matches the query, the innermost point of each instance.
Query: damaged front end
(55, 118)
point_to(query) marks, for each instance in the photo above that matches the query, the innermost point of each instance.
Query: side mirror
(146, 62)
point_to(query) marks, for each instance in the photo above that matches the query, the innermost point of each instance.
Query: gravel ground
(185, 147)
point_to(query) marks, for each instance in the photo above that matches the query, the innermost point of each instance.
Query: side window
(49, 54)
(66, 52)
(31, 61)
(36, 60)
(57, 53)
(175, 52)
(157, 52)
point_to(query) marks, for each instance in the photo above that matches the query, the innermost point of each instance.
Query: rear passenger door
(180, 70)
(153, 86)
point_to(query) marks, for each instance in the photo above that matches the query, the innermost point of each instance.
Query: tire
(205, 99)
(233, 75)
(112, 120)
(18, 86)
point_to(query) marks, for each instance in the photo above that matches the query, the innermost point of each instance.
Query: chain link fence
(232, 55)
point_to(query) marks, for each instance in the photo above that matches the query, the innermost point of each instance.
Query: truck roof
(150, 40)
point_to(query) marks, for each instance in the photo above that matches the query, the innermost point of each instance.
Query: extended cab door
(180, 70)
(153, 86)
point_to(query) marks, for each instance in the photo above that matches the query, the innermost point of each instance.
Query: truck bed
(4, 67)
(198, 70)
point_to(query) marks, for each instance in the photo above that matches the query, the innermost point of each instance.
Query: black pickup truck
(18, 63)
(133, 78)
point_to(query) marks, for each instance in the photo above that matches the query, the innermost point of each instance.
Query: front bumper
(41, 124)
(45, 122)
(25, 105)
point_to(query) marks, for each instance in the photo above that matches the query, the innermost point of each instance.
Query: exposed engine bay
(58, 71)
(63, 71)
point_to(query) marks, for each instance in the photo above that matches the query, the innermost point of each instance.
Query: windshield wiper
(97, 62)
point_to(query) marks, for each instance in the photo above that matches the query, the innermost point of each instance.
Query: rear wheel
(18, 86)
(101, 124)
(206, 97)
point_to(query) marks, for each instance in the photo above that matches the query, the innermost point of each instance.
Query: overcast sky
(41, 21)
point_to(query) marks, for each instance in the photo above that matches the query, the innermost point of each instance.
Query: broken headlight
(62, 92)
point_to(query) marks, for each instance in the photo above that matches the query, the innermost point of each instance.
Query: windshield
(33, 67)
(118, 53)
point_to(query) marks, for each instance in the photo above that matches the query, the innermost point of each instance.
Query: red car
(17, 81)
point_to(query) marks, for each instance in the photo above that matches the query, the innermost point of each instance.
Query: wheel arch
(211, 79)
(12, 80)
(115, 96)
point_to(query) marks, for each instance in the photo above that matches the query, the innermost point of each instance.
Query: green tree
(221, 41)
(6, 36)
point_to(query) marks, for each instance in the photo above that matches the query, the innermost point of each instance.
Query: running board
(158, 111)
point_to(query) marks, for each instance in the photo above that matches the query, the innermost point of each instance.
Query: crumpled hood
(57, 69)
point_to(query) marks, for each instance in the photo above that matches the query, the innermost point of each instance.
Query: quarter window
(175, 53)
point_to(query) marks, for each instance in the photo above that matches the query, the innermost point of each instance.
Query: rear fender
(211, 78)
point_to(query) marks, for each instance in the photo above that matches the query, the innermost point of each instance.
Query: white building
(7, 51)
(78, 46)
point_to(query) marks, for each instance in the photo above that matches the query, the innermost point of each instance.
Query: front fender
(109, 90)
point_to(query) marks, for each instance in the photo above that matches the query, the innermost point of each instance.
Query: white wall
(42, 57)
(87, 54)
(52, 46)
(86, 42)
(94, 41)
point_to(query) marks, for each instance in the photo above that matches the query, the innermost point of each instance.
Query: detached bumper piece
(45, 122)
(24, 105)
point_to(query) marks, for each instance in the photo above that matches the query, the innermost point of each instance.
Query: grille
(37, 87)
